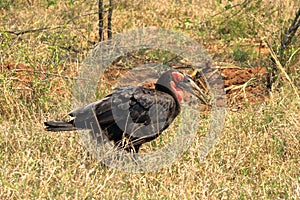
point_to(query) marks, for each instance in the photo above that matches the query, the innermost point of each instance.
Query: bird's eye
(179, 79)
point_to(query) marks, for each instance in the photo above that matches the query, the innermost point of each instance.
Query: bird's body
(130, 116)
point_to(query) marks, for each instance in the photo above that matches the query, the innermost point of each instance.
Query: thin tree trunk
(100, 16)
(109, 17)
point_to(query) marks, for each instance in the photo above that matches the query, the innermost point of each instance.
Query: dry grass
(256, 157)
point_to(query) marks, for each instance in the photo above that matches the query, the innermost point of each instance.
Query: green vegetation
(256, 157)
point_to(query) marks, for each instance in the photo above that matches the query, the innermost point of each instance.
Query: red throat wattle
(176, 90)
(177, 77)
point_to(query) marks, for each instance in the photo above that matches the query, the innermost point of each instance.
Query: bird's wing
(143, 112)
(95, 116)
(137, 113)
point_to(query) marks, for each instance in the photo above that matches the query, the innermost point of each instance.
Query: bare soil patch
(242, 85)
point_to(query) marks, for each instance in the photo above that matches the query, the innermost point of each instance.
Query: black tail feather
(56, 126)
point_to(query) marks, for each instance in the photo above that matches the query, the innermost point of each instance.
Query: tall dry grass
(256, 157)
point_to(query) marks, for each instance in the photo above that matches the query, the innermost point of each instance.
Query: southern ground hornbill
(131, 116)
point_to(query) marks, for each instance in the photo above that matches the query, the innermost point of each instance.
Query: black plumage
(131, 116)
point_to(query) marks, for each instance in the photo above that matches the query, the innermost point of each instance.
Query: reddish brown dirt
(242, 86)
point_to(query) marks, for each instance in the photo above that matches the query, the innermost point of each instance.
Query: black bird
(133, 115)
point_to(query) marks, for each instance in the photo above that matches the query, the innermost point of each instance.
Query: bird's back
(136, 114)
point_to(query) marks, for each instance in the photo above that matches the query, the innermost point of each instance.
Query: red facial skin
(177, 77)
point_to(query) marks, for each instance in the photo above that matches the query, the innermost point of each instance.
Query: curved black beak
(190, 86)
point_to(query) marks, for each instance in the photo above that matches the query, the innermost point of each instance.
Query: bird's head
(178, 82)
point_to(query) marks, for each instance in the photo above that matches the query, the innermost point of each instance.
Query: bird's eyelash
(189, 76)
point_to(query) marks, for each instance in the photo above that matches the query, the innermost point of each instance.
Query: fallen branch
(21, 32)
(48, 74)
(243, 87)
(243, 5)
